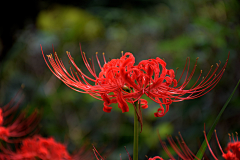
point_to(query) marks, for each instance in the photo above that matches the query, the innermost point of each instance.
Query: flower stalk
(136, 132)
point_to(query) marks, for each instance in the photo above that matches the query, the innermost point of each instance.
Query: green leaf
(204, 144)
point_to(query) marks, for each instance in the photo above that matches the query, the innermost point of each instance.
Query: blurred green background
(169, 29)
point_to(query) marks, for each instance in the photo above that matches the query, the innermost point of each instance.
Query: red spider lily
(17, 129)
(14, 129)
(99, 157)
(183, 152)
(233, 148)
(43, 148)
(38, 147)
(120, 81)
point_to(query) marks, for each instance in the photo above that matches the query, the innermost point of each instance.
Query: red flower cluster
(43, 148)
(121, 81)
(233, 148)
(15, 129)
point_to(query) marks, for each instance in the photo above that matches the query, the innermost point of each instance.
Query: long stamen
(187, 149)
(165, 147)
(104, 58)
(236, 135)
(183, 69)
(233, 138)
(229, 135)
(191, 74)
(128, 153)
(181, 144)
(209, 145)
(175, 147)
(218, 142)
(99, 64)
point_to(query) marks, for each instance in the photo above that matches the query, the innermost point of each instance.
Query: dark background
(169, 29)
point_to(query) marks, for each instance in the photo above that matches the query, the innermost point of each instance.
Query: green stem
(136, 132)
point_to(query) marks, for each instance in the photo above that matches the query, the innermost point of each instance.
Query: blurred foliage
(173, 30)
(70, 24)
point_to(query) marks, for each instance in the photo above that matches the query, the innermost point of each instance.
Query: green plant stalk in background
(209, 135)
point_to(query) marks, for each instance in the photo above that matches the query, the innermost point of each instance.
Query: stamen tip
(197, 58)
(96, 52)
(49, 56)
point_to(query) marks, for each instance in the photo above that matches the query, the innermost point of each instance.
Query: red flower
(233, 148)
(43, 148)
(14, 129)
(120, 81)
(17, 129)
(38, 147)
